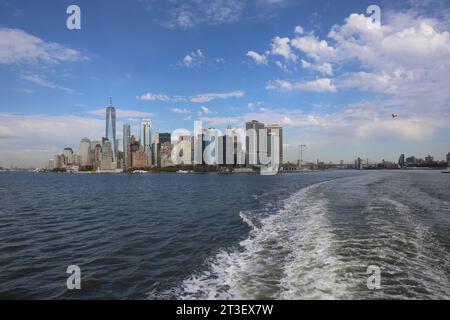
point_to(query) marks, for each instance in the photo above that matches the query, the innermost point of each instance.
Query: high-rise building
(111, 129)
(165, 155)
(68, 156)
(276, 131)
(51, 164)
(146, 137)
(252, 142)
(401, 161)
(159, 139)
(234, 154)
(107, 162)
(146, 134)
(448, 159)
(164, 137)
(96, 154)
(85, 152)
(126, 147)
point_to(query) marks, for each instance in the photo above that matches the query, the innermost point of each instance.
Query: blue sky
(315, 67)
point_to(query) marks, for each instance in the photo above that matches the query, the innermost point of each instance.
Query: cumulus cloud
(325, 67)
(281, 46)
(258, 58)
(298, 30)
(193, 59)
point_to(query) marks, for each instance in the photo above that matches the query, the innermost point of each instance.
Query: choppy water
(290, 236)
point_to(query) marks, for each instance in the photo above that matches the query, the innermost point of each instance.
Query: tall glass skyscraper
(146, 135)
(111, 129)
(126, 147)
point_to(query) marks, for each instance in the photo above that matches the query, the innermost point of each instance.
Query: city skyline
(297, 64)
(146, 153)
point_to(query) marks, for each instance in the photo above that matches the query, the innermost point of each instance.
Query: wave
(318, 244)
(288, 255)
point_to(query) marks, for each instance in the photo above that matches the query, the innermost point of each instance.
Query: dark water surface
(162, 236)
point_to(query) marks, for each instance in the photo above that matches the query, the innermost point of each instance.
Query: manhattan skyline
(314, 68)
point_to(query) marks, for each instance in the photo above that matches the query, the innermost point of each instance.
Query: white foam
(290, 256)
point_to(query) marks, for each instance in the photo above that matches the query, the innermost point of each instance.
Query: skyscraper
(275, 130)
(107, 156)
(68, 156)
(146, 133)
(252, 144)
(126, 147)
(111, 129)
(85, 152)
(146, 136)
(401, 161)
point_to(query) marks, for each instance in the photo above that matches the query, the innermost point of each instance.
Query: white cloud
(325, 67)
(41, 81)
(179, 110)
(30, 140)
(281, 47)
(205, 110)
(313, 47)
(188, 14)
(122, 113)
(152, 97)
(193, 59)
(18, 46)
(298, 30)
(207, 97)
(259, 58)
(200, 98)
(318, 85)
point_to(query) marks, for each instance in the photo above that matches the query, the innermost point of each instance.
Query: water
(195, 236)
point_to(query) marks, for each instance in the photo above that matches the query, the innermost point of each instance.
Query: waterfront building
(184, 147)
(429, 160)
(252, 142)
(68, 156)
(411, 161)
(448, 159)
(401, 161)
(139, 158)
(51, 164)
(276, 131)
(165, 155)
(234, 154)
(164, 137)
(107, 157)
(111, 130)
(146, 137)
(126, 147)
(85, 152)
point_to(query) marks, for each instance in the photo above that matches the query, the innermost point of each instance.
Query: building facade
(111, 130)
(126, 147)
